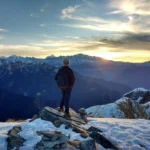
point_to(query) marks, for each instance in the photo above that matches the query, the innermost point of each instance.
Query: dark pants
(66, 94)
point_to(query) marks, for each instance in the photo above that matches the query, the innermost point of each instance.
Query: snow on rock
(29, 130)
(134, 104)
(133, 134)
(136, 94)
(4, 128)
(108, 110)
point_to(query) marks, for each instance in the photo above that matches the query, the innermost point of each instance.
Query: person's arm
(57, 74)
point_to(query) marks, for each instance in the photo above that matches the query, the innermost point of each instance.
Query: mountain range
(98, 82)
(132, 74)
(33, 82)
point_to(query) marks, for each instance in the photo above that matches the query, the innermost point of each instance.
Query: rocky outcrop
(132, 105)
(53, 115)
(14, 139)
(146, 98)
(53, 140)
(140, 95)
(58, 118)
(58, 140)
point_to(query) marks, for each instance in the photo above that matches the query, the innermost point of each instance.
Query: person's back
(70, 75)
(65, 79)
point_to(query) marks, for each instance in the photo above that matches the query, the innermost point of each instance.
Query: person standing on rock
(65, 80)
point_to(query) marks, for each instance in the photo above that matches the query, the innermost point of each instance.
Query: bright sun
(105, 55)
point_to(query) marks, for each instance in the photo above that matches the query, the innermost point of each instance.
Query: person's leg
(67, 99)
(62, 99)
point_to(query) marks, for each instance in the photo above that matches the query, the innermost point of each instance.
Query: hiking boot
(67, 115)
(61, 109)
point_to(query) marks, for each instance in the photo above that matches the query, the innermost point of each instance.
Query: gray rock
(84, 135)
(75, 143)
(83, 114)
(92, 129)
(52, 140)
(14, 140)
(58, 123)
(80, 130)
(82, 111)
(100, 139)
(53, 115)
(88, 145)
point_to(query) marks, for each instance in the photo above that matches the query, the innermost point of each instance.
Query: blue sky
(112, 29)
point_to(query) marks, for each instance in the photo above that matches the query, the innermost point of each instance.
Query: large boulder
(100, 139)
(53, 115)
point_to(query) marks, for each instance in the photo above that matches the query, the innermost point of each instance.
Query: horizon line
(52, 55)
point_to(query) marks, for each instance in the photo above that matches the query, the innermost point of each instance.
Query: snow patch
(29, 130)
(133, 134)
(136, 91)
(108, 111)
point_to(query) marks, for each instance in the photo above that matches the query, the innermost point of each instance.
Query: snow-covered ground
(129, 134)
(29, 130)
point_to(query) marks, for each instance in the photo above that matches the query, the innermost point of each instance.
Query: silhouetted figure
(65, 79)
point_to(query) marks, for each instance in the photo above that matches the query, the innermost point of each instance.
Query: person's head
(66, 62)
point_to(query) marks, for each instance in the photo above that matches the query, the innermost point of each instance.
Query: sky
(112, 29)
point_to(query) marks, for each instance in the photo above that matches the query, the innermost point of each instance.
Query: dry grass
(13, 120)
(74, 143)
(131, 111)
(101, 116)
(91, 115)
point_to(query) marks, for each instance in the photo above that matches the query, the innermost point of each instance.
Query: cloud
(67, 12)
(135, 20)
(73, 37)
(3, 30)
(31, 15)
(135, 45)
(43, 25)
(71, 13)
(139, 7)
(129, 42)
(25, 50)
(47, 36)
(43, 7)
(89, 3)
(107, 26)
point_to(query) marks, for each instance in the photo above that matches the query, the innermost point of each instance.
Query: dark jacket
(69, 72)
